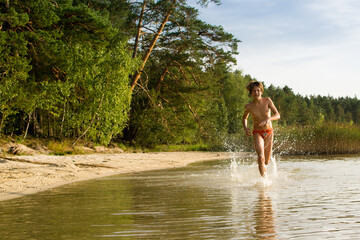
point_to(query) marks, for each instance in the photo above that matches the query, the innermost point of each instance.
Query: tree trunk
(151, 47)
(1, 123)
(37, 128)
(136, 44)
(158, 83)
(27, 127)
(63, 119)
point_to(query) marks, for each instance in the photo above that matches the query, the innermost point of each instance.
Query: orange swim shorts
(263, 133)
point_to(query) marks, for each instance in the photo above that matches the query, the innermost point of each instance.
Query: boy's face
(256, 92)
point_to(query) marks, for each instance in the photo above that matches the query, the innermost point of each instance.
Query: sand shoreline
(24, 175)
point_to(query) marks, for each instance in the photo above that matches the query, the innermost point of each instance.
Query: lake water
(304, 198)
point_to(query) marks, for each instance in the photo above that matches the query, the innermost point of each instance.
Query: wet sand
(23, 175)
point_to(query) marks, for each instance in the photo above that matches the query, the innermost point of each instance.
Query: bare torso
(260, 111)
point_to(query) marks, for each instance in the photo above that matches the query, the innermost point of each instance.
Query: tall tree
(175, 73)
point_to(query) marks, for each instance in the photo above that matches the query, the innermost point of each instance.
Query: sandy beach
(23, 175)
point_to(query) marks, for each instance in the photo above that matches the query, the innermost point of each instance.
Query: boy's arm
(244, 121)
(274, 111)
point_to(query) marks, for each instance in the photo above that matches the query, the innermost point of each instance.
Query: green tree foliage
(235, 96)
(179, 82)
(149, 72)
(64, 70)
(299, 110)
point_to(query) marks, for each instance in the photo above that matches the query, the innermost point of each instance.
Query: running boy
(260, 110)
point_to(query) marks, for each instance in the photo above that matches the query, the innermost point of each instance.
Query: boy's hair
(252, 84)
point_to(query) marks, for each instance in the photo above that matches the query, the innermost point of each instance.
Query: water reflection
(264, 216)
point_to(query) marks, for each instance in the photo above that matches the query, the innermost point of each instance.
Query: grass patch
(60, 148)
(182, 148)
(325, 138)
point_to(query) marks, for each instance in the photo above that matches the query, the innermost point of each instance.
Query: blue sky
(312, 46)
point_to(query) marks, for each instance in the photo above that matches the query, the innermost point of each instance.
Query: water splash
(273, 167)
(245, 174)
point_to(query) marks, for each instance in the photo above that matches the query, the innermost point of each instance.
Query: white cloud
(343, 13)
(313, 46)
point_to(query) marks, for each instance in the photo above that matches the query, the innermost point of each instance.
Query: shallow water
(303, 198)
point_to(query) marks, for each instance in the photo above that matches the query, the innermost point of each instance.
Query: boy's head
(253, 84)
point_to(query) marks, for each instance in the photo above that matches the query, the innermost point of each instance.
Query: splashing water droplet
(247, 175)
(273, 167)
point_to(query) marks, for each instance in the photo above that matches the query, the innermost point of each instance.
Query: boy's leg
(259, 148)
(268, 147)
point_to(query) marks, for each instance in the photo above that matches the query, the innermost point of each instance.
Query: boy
(260, 110)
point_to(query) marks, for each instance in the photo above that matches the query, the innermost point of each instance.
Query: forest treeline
(141, 72)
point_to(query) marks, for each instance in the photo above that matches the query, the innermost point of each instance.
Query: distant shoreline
(24, 175)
